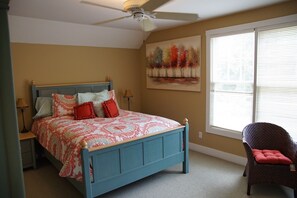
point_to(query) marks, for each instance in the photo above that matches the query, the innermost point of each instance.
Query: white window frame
(260, 25)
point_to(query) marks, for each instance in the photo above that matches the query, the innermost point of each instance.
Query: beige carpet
(209, 177)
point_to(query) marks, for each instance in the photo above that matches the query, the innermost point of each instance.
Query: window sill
(224, 132)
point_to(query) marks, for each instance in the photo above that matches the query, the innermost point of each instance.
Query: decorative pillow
(84, 111)
(96, 98)
(63, 104)
(43, 107)
(113, 96)
(270, 157)
(110, 108)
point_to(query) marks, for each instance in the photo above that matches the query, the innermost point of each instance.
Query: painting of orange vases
(174, 64)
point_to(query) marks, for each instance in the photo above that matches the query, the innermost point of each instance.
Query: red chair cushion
(270, 157)
(84, 111)
(110, 108)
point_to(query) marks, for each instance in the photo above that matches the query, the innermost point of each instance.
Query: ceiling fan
(143, 12)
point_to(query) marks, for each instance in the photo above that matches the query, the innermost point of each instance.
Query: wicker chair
(269, 136)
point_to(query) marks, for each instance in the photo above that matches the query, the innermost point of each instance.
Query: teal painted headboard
(39, 90)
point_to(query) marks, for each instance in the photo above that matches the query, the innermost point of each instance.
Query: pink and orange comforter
(62, 136)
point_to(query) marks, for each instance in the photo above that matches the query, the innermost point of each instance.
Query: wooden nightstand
(28, 149)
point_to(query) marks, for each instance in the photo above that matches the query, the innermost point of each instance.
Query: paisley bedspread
(62, 136)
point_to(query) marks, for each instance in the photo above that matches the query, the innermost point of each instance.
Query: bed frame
(125, 162)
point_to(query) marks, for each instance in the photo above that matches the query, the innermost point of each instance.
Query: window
(231, 85)
(251, 77)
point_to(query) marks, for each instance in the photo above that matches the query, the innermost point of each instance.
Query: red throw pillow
(110, 108)
(270, 157)
(84, 111)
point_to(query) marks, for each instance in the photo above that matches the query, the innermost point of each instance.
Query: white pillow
(43, 107)
(113, 96)
(96, 98)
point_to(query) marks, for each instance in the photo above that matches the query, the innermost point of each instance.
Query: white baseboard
(219, 154)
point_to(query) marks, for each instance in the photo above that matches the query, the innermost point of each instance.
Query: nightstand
(28, 149)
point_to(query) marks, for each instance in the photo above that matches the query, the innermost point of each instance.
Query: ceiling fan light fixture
(147, 25)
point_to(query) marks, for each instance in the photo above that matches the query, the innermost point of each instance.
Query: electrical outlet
(200, 135)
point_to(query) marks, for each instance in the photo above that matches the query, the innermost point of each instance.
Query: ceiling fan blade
(147, 25)
(111, 20)
(176, 16)
(93, 2)
(153, 4)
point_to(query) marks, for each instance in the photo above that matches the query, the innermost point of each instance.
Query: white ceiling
(73, 11)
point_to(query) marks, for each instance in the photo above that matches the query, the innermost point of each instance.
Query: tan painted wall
(178, 104)
(69, 64)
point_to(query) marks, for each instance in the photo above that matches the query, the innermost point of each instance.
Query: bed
(106, 167)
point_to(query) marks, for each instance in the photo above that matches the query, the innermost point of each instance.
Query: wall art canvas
(174, 64)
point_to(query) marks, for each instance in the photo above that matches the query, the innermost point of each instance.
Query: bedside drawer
(26, 146)
(27, 159)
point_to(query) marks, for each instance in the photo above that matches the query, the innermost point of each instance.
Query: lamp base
(24, 126)
(24, 130)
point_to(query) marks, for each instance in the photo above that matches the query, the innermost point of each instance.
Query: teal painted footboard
(118, 165)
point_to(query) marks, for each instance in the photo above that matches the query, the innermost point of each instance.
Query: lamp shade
(21, 103)
(128, 93)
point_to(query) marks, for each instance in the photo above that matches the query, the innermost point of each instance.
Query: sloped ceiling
(69, 22)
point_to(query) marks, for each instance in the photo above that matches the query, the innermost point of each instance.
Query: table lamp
(21, 104)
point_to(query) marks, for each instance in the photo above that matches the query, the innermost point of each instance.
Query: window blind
(276, 96)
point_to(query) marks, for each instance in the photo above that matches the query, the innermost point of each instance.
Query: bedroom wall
(179, 104)
(69, 64)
